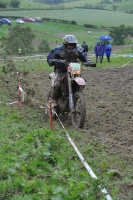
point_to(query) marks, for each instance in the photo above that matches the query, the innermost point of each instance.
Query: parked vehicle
(38, 19)
(6, 21)
(19, 21)
(71, 100)
(28, 19)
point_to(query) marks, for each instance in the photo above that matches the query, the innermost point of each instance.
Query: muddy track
(109, 102)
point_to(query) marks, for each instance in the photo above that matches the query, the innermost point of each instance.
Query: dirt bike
(72, 99)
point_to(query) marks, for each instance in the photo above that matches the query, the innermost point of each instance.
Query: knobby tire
(79, 114)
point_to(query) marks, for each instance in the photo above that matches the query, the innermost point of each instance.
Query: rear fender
(80, 81)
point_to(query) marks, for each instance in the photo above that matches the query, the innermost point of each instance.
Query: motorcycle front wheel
(79, 113)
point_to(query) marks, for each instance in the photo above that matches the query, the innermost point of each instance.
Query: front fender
(80, 81)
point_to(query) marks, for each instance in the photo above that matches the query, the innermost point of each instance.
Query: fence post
(51, 116)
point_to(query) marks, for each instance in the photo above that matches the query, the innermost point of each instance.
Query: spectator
(98, 52)
(108, 50)
(85, 47)
(19, 51)
(103, 49)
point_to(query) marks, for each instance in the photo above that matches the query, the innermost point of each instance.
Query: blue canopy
(105, 37)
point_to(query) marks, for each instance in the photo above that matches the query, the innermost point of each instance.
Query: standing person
(103, 49)
(19, 51)
(85, 47)
(108, 50)
(69, 51)
(98, 52)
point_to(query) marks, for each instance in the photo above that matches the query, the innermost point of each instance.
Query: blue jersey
(98, 50)
(108, 49)
(60, 53)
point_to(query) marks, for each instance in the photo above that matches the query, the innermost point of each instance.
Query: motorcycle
(72, 99)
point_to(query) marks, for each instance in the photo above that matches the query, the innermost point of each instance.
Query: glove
(57, 62)
(90, 64)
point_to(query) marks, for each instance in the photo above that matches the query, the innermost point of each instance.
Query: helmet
(69, 39)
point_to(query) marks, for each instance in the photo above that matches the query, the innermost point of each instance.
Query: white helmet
(69, 39)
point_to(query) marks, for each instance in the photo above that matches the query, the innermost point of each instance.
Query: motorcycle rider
(69, 51)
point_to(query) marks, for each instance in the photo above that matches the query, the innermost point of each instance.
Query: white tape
(103, 190)
(10, 103)
(21, 90)
(22, 94)
(126, 64)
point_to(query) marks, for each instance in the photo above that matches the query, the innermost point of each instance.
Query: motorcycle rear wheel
(79, 114)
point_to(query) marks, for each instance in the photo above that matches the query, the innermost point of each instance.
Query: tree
(19, 37)
(119, 34)
(14, 3)
(54, 1)
(131, 11)
(44, 46)
(87, 5)
(114, 7)
(74, 22)
(3, 5)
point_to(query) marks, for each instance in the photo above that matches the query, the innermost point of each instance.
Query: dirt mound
(109, 100)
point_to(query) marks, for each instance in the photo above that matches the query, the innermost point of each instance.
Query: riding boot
(54, 97)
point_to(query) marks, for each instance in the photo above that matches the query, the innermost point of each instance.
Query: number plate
(75, 66)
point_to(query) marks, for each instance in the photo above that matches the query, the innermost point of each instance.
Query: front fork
(71, 97)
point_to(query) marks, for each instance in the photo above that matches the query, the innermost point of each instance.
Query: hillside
(106, 140)
(95, 17)
(122, 6)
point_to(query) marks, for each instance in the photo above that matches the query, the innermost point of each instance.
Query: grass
(4, 31)
(54, 31)
(40, 64)
(122, 6)
(38, 163)
(81, 16)
(125, 51)
(115, 61)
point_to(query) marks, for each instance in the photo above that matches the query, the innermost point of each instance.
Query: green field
(81, 16)
(121, 6)
(52, 31)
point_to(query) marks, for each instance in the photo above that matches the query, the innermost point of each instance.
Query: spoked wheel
(79, 114)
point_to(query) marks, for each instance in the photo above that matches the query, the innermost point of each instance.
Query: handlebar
(90, 64)
(65, 64)
(57, 62)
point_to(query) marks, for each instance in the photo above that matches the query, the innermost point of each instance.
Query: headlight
(76, 71)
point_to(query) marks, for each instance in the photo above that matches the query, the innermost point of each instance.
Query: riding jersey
(61, 53)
